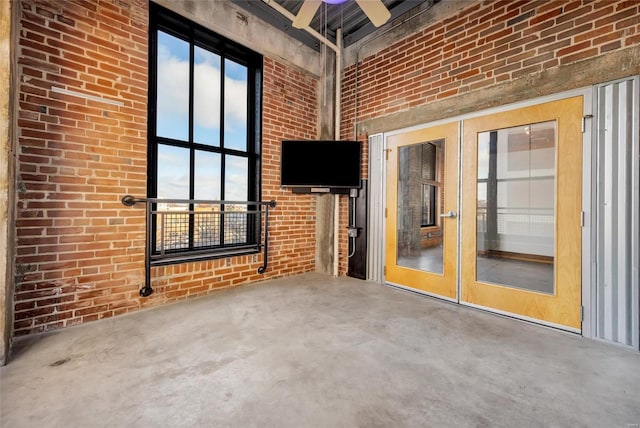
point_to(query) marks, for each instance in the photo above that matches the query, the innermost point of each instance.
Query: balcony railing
(520, 221)
(186, 230)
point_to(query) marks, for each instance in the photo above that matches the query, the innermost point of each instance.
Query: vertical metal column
(617, 201)
(147, 290)
(376, 221)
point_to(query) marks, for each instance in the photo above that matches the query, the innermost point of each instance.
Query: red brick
(549, 16)
(579, 56)
(617, 17)
(590, 17)
(574, 48)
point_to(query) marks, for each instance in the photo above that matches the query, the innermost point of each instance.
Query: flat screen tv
(329, 165)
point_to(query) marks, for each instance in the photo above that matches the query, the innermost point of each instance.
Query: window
(430, 184)
(204, 136)
(428, 205)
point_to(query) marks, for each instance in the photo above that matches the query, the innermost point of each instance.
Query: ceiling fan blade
(306, 13)
(375, 10)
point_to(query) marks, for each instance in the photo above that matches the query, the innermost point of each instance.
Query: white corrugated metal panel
(375, 222)
(617, 196)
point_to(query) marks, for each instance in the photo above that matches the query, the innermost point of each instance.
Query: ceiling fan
(374, 9)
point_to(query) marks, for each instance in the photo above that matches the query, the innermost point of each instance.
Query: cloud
(173, 111)
(173, 187)
(235, 103)
(173, 91)
(236, 185)
(173, 173)
(207, 179)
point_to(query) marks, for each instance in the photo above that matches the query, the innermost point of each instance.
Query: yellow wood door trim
(563, 307)
(439, 284)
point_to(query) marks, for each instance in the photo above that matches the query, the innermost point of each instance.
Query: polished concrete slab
(316, 351)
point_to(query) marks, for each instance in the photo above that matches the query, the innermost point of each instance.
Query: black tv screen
(325, 164)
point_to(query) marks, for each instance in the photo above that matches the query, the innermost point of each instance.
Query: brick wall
(290, 110)
(80, 252)
(485, 44)
(77, 244)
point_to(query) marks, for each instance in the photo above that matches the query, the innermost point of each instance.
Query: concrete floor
(314, 351)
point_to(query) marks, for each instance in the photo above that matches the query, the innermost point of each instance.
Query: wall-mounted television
(322, 166)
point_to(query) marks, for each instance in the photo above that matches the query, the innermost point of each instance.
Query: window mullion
(192, 153)
(252, 178)
(222, 123)
(223, 156)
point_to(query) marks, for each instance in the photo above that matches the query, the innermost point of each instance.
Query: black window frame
(429, 199)
(430, 190)
(161, 19)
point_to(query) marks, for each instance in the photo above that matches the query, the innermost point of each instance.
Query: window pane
(428, 162)
(428, 205)
(236, 221)
(515, 206)
(207, 186)
(206, 97)
(235, 105)
(207, 180)
(172, 86)
(172, 227)
(173, 172)
(236, 178)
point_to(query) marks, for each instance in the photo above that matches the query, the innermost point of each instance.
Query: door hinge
(385, 270)
(386, 154)
(582, 214)
(385, 213)
(581, 313)
(584, 122)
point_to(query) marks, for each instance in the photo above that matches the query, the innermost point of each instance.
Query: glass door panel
(515, 242)
(420, 198)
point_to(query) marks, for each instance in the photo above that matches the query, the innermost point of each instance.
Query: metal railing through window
(187, 230)
(519, 221)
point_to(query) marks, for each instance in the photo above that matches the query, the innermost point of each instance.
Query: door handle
(450, 214)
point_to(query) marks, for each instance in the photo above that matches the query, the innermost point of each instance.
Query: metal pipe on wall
(336, 136)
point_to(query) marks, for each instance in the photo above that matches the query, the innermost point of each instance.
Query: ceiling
(348, 16)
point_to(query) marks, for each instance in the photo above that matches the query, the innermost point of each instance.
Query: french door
(521, 246)
(422, 195)
(520, 231)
